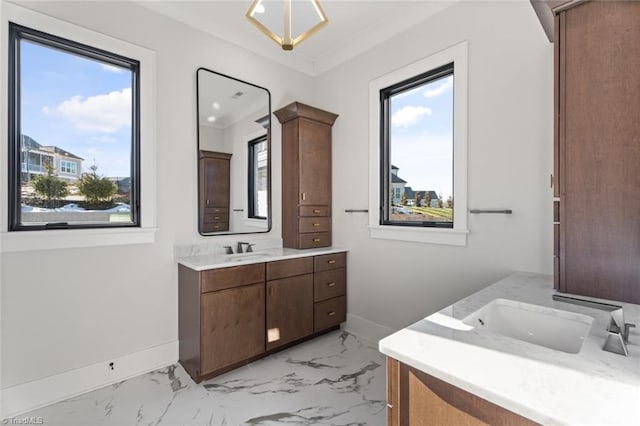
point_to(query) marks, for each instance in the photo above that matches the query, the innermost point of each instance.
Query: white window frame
(457, 236)
(70, 165)
(72, 238)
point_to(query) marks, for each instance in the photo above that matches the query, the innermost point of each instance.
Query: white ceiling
(354, 27)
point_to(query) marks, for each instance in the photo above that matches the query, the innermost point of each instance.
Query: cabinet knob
(389, 405)
(316, 240)
(331, 262)
(216, 217)
(316, 211)
(332, 313)
(331, 284)
(316, 224)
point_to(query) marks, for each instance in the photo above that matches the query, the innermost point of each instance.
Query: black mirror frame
(268, 128)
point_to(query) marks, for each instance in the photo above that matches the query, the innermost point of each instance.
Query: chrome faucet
(618, 331)
(240, 244)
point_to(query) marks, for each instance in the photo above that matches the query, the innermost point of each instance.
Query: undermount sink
(548, 327)
(239, 257)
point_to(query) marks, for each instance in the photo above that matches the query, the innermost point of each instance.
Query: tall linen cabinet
(597, 149)
(306, 175)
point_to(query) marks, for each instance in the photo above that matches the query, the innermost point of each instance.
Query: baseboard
(367, 330)
(23, 398)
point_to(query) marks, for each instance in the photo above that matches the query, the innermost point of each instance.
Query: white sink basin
(548, 327)
(239, 257)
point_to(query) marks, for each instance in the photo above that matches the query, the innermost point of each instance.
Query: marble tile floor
(335, 379)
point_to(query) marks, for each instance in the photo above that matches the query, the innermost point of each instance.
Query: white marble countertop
(214, 261)
(592, 387)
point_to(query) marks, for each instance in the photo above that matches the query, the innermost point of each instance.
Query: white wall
(65, 309)
(394, 283)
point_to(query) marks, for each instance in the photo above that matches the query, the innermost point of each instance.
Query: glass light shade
(287, 22)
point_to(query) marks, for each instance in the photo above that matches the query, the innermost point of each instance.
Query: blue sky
(80, 105)
(422, 136)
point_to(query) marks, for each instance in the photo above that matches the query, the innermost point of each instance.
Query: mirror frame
(269, 162)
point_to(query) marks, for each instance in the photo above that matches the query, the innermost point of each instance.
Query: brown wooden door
(232, 329)
(315, 162)
(599, 138)
(289, 310)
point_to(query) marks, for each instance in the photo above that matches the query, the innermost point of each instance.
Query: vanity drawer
(223, 211)
(306, 211)
(289, 268)
(317, 239)
(235, 276)
(329, 313)
(215, 218)
(329, 284)
(314, 224)
(215, 227)
(330, 261)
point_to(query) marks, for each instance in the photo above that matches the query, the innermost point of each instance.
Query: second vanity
(449, 369)
(234, 309)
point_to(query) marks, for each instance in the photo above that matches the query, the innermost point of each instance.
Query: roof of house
(410, 193)
(61, 152)
(396, 179)
(29, 143)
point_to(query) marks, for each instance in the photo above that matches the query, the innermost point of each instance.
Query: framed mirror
(234, 155)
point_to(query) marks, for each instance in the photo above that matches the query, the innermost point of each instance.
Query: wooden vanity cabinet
(221, 318)
(289, 301)
(230, 316)
(415, 398)
(215, 188)
(306, 175)
(597, 150)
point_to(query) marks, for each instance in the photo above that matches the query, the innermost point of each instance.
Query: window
(418, 150)
(67, 167)
(75, 107)
(258, 178)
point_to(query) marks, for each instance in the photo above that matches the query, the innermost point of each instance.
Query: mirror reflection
(234, 159)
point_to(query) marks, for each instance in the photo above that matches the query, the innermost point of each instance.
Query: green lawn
(433, 212)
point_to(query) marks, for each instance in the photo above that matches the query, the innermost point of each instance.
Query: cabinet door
(415, 398)
(232, 326)
(599, 54)
(289, 310)
(315, 163)
(216, 180)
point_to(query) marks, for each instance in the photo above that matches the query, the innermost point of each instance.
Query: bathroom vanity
(454, 367)
(234, 309)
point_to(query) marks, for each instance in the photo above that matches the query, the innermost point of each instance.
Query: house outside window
(70, 101)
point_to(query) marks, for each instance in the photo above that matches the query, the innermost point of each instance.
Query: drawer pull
(316, 224)
(332, 313)
(316, 211)
(389, 405)
(331, 284)
(216, 217)
(331, 262)
(316, 240)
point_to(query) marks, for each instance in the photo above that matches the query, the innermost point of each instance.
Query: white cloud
(446, 84)
(45, 110)
(409, 115)
(104, 139)
(102, 113)
(111, 68)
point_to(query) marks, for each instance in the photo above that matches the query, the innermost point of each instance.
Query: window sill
(451, 237)
(76, 238)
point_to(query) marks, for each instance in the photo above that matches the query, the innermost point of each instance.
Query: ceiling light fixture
(302, 19)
